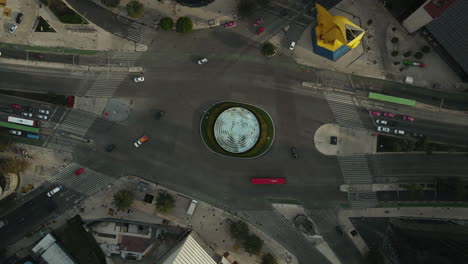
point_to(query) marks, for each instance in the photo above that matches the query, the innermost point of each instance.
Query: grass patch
(60, 50)
(43, 97)
(408, 144)
(29, 141)
(265, 138)
(79, 243)
(423, 204)
(43, 26)
(64, 13)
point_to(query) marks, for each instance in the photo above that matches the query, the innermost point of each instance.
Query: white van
(192, 207)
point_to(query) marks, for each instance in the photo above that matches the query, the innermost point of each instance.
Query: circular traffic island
(237, 130)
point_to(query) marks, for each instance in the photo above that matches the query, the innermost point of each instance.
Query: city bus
(19, 127)
(22, 121)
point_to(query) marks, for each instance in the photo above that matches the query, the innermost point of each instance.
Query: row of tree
(123, 199)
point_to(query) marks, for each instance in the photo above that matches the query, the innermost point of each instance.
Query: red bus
(268, 180)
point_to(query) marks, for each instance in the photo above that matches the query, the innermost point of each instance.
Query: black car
(110, 148)
(338, 230)
(19, 18)
(333, 140)
(294, 153)
(159, 115)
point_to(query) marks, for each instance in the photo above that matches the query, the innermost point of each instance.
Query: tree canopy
(184, 25)
(123, 199)
(135, 9)
(164, 202)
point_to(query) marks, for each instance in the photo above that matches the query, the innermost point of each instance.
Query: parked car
(294, 153)
(42, 117)
(79, 171)
(110, 148)
(268, 180)
(387, 114)
(139, 79)
(140, 141)
(338, 230)
(408, 118)
(12, 28)
(202, 61)
(258, 22)
(19, 18)
(383, 129)
(375, 113)
(260, 30)
(55, 190)
(381, 121)
(27, 114)
(32, 136)
(159, 115)
(16, 106)
(399, 132)
(70, 101)
(16, 132)
(230, 24)
(333, 140)
(44, 111)
(293, 44)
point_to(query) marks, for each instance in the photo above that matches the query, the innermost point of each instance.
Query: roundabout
(237, 130)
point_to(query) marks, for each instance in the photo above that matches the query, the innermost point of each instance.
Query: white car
(399, 132)
(12, 28)
(42, 117)
(202, 61)
(55, 190)
(293, 44)
(43, 111)
(383, 129)
(27, 114)
(382, 122)
(139, 79)
(16, 132)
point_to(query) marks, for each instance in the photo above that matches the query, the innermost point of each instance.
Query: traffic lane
(39, 56)
(414, 167)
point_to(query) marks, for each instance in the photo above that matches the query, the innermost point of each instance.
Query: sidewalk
(349, 140)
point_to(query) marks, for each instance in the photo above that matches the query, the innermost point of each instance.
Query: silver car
(399, 132)
(12, 28)
(55, 190)
(43, 111)
(383, 129)
(42, 117)
(27, 114)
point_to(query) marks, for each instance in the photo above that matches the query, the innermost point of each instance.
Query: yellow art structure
(334, 35)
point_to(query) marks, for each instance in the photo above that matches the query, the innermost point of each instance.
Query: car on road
(375, 113)
(16, 132)
(387, 114)
(294, 153)
(70, 101)
(417, 134)
(42, 117)
(110, 148)
(399, 132)
(44, 111)
(39, 56)
(333, 140)
(258, 22)
(381, 122)
(383, 129)
(12, 28)
(338, 230)
(139, 79)
(293, 44)
(140, 141)
(79, 171)
(159, 115)
(408, 118)
(19, 18)
(260, 30)
(55, 190)
(16, 106)
(230, 24)
(268, 180)
(202, 61)
(27, 114)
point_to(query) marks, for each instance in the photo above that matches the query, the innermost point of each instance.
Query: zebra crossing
(140, 33)
(335, 80)
(87, 183)
(362, 199)
(277, 227)
(105, 84)
(324, 219)
(293, 34)
(60, 144)
(122, 58)
(344, 110)
(77, 122)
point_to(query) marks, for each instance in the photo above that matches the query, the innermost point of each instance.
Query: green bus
(392, 99)
(19, 127)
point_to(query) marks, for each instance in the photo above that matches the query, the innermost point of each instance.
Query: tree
(13, 165)
(395, 53)
(426, 49)
(135, 9)
(268, 49)
(418, 55)
(245, 8)
(252, 244)
(123, 199)
(239, 230)
(164, 202)
(166, 23)
(395, 40)
(269, 259)
(184, 25)
(408, 54)
(369, 22)
(110, 3)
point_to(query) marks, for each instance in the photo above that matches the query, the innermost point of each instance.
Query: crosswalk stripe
(344, 110)
(106, 84)
(335, 80)
(77, 122)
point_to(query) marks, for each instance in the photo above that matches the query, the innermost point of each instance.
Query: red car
(70, 101)
(39, 56)
(79, 171)
(258, 22)
(17, 106)
(386, 114)
(268, 180)
(375, 113)
(229, 24)
(260, 30)
(408, 118)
